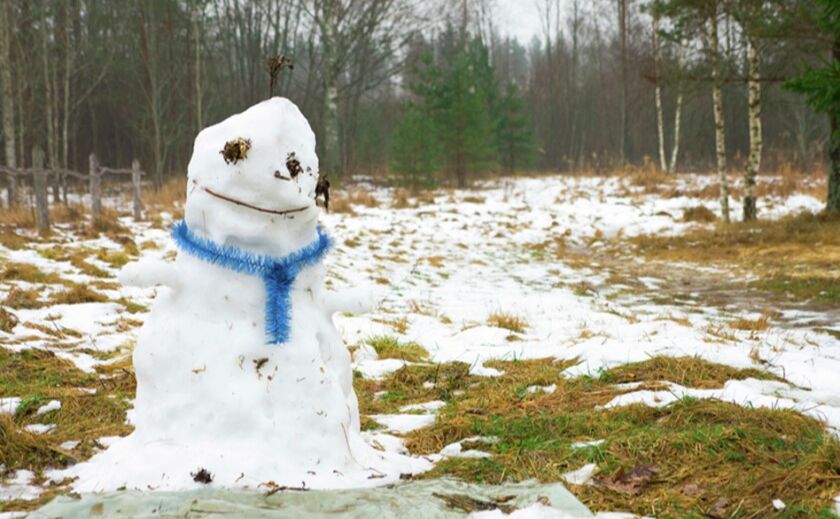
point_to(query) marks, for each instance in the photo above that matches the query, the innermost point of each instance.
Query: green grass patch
(132, 307)
(803, 287)
(711, 457)
(389, 347)
(38, 376)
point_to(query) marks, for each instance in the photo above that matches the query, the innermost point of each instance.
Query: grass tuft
(389, 347)
(507, 321)
(8, 320)
(78, 294)
(21, 298)
(699, 213)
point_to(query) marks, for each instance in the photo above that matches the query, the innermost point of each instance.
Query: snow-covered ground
(442, 267)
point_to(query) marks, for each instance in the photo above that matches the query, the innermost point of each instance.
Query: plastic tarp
(426, 498)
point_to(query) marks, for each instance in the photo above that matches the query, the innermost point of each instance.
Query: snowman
(242, 378)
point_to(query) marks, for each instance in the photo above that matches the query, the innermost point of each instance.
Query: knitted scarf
(278, 274)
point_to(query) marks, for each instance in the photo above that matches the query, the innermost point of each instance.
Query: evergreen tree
(515, 140)
(464, 104)
(416, 150)
(821, 87)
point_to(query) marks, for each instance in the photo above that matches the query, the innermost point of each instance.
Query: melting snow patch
(52, 405)
(429, 407)
(19, 487)
(456, 450)
(9, 405)
(590, 443)
(39, 428)
(544, 389)
(403, 423)
(580, 476)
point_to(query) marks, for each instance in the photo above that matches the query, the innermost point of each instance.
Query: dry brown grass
(751, 325)
(19, 298)
(29, 273)
(507, 321)
(20, 216)
(8, 320)
(170, 197)
(797, 255)
(402, 200)
(651, 179)
(344, 201)
(77, 294)
(699, 213)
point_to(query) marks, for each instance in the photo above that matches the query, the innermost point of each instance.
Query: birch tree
(717, 107)
(660, 126)
(754, 117)
(675, 149)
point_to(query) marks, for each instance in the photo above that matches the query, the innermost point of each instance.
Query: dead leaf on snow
(631, 482)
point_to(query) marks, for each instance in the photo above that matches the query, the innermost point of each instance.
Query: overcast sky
(518, 18)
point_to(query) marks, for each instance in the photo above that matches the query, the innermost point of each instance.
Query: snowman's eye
(293, 165)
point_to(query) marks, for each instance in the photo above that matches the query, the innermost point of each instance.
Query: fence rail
(41, 174)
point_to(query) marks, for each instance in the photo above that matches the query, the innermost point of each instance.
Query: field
(608, 332)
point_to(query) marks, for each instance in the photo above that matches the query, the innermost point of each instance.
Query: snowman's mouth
(251, 206)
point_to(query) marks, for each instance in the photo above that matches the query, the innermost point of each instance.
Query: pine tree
(515, 140)
(416, 149)
(821, 87)
(465, 110)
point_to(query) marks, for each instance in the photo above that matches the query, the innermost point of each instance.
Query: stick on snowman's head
(252, 176)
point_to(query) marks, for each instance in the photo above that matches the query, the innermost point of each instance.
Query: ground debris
(202, 475)
(469, 504)
(8, 320)
(272, 488)
(631, 483)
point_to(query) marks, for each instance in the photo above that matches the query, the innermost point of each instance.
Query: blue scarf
(278, 274)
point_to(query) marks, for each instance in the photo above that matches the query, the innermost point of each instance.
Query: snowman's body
(213, 392)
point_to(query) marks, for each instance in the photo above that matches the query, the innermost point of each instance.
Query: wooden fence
(40, 180)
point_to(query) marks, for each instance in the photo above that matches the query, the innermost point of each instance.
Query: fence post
(135, 182)
(64, 188)
(95, 187)
(11, 191)
(42, 211)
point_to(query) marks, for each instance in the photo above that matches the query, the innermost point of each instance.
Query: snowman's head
(252, 177)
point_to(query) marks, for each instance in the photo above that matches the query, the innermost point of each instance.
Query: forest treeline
(424, 90)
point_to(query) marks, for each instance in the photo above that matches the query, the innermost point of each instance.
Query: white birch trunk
(720, 125)
(660, 126)
(675, 150)
(754, 105)
(329, 31)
